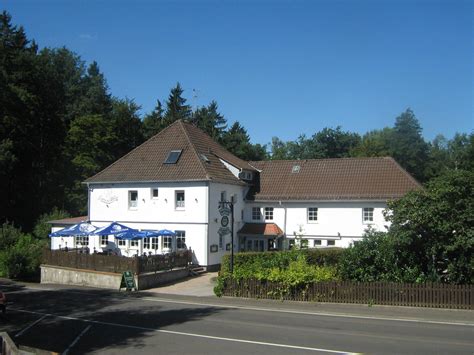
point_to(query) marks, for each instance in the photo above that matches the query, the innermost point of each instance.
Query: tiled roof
(146, 162)
(269, 229)
(331, 179)
(71, 220)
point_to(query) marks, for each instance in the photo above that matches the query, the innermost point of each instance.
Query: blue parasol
(80, 229)
(113, 228)
(166, 233)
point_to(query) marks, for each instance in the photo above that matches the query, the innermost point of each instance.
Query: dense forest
(59, 124)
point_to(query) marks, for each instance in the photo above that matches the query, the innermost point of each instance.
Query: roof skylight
(173, 157)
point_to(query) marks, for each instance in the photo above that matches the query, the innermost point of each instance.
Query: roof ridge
(317, 159)
(191, 143)
(148, 141)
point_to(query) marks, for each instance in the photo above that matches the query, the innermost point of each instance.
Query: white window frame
(121, 242)
(179, 204)
(256, 214)
(82, 240)
(331, 241)
(312, 214)
(167, 242)
(152, 193)
(368, 215)
(269, 213)
(146, 243)
(154, 243)
(104, 240)
(317, 243)
(134, 243)
(180, 240)
(132, 204)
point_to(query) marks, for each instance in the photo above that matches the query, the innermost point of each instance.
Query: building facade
(179, 178)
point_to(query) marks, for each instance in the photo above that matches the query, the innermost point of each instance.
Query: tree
(408, 147)
(375, 143)
(153, 123)
(333, 143)
(237, 141)
(210, 121)
(176, 108)
(434, 228)
(125, 127)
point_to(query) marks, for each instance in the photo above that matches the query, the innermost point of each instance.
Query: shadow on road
(119, 319)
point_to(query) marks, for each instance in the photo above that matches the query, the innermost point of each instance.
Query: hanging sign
(224, 229)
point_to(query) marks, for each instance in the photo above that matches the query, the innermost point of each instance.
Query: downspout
(208, 222)
(284, 225)
(88, 203)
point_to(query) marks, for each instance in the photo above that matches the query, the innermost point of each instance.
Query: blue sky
(281, 68)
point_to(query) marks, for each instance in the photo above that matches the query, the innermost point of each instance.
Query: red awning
(268, 229)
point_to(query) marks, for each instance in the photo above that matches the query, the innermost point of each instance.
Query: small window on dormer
(204, 158)
(296, 169)
(173, 157)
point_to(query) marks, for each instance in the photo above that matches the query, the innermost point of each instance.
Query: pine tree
(210, 120)
(176, 108)
(408, 146)
(153, 123)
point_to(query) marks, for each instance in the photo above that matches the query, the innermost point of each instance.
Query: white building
(176, 181)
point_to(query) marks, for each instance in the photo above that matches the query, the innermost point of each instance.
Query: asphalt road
(81, 320)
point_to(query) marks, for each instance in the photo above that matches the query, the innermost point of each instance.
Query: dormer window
(204, 158)
(296, 169)
(173, 157)
(245, 175)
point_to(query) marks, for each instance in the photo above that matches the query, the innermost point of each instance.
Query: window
(331, 243)
(256, 214)
(317, 243)
(173, 157)
(180, 239)
(242, 215)
(268, 213)
(312, 214)
(167, 242)
(104, 240)
(368, 214)
(132, 199)
(121, 242)
(134, 243)
(154, 194)
(146, 243)
(296, 169)
(223, 196)
(82, 241)
(180, 199)
(154, 243)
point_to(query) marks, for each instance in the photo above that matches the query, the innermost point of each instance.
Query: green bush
(289, 268)
(22, 256)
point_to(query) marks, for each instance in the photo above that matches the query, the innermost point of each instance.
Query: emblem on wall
(107, 198)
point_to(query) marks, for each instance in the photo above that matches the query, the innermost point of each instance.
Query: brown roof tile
(146, 162)
(331, 179)
(70, 220)
(269, 229)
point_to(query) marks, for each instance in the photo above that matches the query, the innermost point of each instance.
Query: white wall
(339, 221)
(215, 190)
(110, 202)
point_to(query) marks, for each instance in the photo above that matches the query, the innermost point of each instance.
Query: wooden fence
(381, 293)
(115, 264)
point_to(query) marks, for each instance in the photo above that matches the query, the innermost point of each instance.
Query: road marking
(339, 315)
(76, 340)
(342, 315)
(20, 333)
(183, 333)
